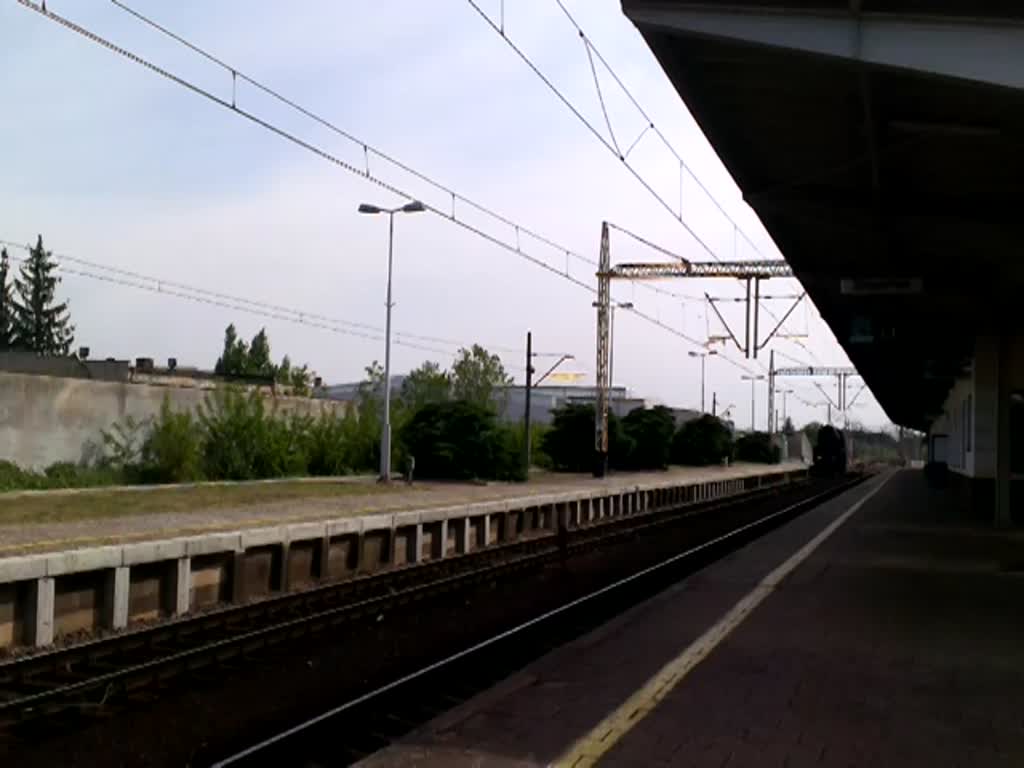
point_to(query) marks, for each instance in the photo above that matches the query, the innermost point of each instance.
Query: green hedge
(460, 440)
(757, 447)
(701, 442)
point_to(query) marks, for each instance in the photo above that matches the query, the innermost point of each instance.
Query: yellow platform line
(588, 750)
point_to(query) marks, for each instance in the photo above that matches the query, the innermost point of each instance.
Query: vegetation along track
(104, 674)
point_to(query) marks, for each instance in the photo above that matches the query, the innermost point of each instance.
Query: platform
(139, 563)
(145, 513)
(891, 636)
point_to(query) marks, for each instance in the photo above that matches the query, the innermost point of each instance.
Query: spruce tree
(39, 323)
(6, 308)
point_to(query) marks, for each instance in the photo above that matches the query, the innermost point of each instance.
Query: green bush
(569, 442)
(328, 449)
(649, 433)
(243, 441)
(14, 478)
(122, 443)
(173, 450)
(460, 440)
(701, 442)
(757, 447)
(60, 474)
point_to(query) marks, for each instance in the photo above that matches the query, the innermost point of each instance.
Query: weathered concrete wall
(44, 419)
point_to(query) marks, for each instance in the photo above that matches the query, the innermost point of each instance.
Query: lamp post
(385, 434)
(703, 357)
(752, 380)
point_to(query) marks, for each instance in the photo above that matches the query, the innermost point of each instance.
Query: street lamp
(752, 379)
(703, 356)
(385, 435)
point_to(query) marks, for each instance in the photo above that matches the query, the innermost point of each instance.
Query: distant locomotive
(829, 453)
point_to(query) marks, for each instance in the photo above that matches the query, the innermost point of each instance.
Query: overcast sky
(114, 164)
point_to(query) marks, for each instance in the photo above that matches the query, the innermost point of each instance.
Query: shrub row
(235, 435)
(646, 438)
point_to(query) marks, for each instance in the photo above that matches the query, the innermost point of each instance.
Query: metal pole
(752, 428)
(773, 425)
(385, 435)
(747, 326)
(714, 404)
(603, 301)
(611, 357)
(757, 314)
(529, 388)
(703, 358)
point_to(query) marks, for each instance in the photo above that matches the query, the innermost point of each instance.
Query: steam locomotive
(829, 453)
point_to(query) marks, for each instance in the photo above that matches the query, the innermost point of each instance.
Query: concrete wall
(44, 419)
(969, 412)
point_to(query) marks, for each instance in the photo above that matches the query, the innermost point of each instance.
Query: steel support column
(603, 333)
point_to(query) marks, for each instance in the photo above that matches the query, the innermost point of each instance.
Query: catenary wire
(325, 155)
(368, 149)
(611, 148)
(653, 127)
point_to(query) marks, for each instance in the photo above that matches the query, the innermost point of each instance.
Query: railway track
(98, 677)
(372, 720)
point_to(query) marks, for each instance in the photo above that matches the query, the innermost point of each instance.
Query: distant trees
(424, 385)
(38, 323)
(6, 305)
(253, 359)
(476, 374)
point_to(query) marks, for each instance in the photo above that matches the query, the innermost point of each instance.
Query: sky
(116, 165)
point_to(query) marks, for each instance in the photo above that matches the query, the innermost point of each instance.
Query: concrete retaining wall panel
(14, 599)
(303, 563)
(261, 571)
(210, 580)
(79, 604)
(343, 556)
(149, 591)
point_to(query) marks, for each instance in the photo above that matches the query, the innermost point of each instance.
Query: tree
(234, 359)
(298, 378)
(787, 427)
(258, 360)
(758, 448)
(38, 323)
(476, 373)
(650, 432)
(701, 442)
(569, 443)
(426, 384)
(461, 440)
(6, 307)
